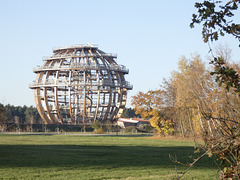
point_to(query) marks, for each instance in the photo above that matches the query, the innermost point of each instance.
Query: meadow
(97, 157)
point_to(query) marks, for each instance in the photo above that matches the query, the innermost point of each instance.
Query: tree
(129, 113)
(146, 103)
(204, 107)
(216, 18)
(31, 115)
(4, 117)
(150, 106)
(193, 86)
(21, 114)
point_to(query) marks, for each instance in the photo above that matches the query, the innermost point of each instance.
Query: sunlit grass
(96, 157)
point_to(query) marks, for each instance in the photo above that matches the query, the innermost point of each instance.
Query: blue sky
(148, 36)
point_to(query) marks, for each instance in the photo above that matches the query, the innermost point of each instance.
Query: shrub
(145, 128)
(96, 125)
(130, 129)
(99, 131)
(116, 128)
(28, 128)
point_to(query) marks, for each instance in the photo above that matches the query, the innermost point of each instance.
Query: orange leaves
(145, 103)
(150, 106)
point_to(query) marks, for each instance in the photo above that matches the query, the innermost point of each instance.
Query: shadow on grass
(86, 156)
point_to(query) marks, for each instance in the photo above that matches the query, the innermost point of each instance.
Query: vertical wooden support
(70, 95)
(39, 106)
(45, 90)
(37, 97)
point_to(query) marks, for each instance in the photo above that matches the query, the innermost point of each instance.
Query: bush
(99, 131)
(10, 128)
(116, 128)
(130, 129)
(108, 125)
(96, 125)
(145, 128)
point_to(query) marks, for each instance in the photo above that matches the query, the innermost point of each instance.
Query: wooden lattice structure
(80, 84)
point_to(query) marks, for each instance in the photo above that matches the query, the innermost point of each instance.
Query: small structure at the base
(80, 84)
(126, 122)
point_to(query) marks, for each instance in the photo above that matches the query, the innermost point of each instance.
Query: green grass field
(96, 157)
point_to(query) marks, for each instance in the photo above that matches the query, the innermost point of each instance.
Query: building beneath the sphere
(80, 84)
(128, 122)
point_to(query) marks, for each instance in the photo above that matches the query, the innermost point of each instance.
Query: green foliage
(21, 114)
(96, 125)
(130, 113)
(4, 117)
(109, 125)
(98, 128)
(131, 129)
(31, 115)
(216, 19)
(225, 75)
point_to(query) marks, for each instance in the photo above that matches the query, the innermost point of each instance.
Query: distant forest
(19, 114)
(29, 114)
(130, 113)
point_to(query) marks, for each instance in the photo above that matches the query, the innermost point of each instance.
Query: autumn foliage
(150, 106)
(174, 108)
(183, 102)
(191, 103)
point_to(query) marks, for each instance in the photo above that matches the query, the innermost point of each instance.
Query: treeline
(130, 113)
(10, 114)
(191, 101)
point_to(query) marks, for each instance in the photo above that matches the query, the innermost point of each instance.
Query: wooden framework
(80, 84)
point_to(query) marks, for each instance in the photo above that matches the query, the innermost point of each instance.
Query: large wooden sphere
(80, 84)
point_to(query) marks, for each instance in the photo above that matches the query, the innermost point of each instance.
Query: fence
(94, 128)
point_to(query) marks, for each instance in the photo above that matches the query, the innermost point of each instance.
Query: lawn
(96, 157)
